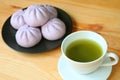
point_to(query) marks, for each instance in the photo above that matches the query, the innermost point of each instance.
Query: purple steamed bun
(17, 19)
(36, 15)
(54, 29)
(52, 11)
(27, 36)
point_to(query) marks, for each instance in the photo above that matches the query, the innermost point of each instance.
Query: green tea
(84, 50)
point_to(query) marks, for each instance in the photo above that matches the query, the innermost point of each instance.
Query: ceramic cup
(87, 67)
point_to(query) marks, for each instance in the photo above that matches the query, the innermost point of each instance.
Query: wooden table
(101, 16)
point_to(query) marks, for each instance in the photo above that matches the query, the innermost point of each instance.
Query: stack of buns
(35, 22)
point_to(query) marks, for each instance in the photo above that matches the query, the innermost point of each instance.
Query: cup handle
(113, 62)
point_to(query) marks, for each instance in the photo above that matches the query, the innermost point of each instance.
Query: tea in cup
(85, 51)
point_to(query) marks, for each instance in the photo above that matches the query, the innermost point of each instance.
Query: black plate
(8, 34)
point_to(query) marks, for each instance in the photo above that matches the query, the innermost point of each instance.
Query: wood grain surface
(101, 16)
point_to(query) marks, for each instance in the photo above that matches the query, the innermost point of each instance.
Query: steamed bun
(54, 29)
(17, 19)
(52, 11)
(36, 15)
(27, 36)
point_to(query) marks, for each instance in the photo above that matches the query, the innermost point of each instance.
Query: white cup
(87, 67)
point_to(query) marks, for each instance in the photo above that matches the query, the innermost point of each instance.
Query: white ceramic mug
(87, 67)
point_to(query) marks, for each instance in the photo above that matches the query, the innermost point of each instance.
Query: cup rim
(78, 61)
